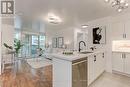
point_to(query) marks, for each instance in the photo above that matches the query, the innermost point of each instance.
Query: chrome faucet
(80, 44)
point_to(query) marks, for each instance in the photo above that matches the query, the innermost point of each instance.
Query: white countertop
(120, 51)
(74, 56)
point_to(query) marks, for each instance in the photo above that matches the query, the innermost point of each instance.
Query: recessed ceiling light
(84, 26)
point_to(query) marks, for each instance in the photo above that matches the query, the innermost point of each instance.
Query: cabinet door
(118, 62)
(98, 64)
(117, 30)
(127, 64)
(127, 29)
(90, 69)
(102, 62)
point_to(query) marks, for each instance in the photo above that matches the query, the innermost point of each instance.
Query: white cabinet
(127, 64)
(118, 62)
(121, 30)
(100, 63)
(117, 30)
(96, 64)
(127, 29)
(90, 69)
(121, 62)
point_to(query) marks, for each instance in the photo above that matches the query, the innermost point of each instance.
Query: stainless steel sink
(86, 52)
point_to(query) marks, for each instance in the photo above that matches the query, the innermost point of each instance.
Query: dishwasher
(79, 73)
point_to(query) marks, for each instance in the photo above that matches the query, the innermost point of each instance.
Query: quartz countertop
(74, 56)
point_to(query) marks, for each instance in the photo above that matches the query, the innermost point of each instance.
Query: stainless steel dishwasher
(79, 73)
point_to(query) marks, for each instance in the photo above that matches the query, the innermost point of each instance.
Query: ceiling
(72, 12)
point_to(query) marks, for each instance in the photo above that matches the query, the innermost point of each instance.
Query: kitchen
(79, 43)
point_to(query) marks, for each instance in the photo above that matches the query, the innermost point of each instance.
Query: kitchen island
(78, 69)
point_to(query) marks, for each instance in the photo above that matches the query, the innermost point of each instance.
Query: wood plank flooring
(25, 76)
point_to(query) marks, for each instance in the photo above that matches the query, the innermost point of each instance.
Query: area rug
(39, 62)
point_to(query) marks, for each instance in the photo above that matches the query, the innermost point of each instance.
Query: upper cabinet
(120, 30)
(117, 30)
(127, 29)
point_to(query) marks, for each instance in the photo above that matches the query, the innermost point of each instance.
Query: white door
(118, 62)
(90, 69)
(127, 64)
(127, 29)
(117, 30)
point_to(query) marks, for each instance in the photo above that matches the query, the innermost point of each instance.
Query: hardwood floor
(24, 76)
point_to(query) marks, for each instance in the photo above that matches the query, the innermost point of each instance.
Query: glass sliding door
(31, 43)
(27, 45)
(34, 45)
(42, 42)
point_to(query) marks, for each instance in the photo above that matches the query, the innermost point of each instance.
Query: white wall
(7, 31)
(49, 35)
(68, 35)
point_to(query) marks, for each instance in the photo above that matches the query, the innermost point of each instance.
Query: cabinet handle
(103, 55)
(79, 62)
(122, 55)
(95, 58)
(125, 35)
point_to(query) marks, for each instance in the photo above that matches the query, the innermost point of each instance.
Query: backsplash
(121, 45)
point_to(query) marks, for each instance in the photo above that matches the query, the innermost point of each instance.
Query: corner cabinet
(96, 66)
(121, 63)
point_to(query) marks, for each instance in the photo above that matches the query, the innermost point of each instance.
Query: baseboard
(121, 73)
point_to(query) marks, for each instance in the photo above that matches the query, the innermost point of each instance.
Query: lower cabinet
(127, 64)
(90, 69)
(121, 62)
(96, 66)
